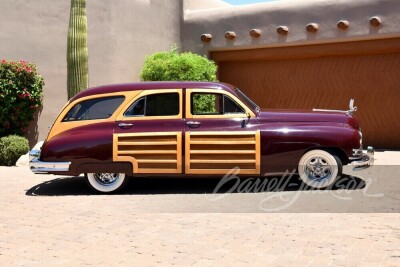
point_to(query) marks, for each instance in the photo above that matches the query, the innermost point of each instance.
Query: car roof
(112, 88)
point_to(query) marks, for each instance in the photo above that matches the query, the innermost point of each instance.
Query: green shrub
(11, 148)
(174, 66)
(20, 96)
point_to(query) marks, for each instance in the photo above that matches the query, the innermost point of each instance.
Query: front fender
(282, 144)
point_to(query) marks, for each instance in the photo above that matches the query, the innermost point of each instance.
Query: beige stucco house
(283, 54)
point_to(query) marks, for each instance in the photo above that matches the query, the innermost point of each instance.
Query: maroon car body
(281, 137)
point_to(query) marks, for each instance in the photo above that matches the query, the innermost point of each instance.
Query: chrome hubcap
(318, 169)
(106, 178)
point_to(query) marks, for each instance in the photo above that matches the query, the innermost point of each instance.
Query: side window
(164, 104)
(231, 107)
(93, 109)
(137, 108)
(214, 104)
(206, 104)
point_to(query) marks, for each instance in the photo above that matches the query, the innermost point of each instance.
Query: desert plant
(77, 51)
(11, 148)
(174, 66)
(20, 96)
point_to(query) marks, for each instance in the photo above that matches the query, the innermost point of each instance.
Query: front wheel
(319, 169)
(106, 182)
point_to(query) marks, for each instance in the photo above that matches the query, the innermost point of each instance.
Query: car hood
(288, 115)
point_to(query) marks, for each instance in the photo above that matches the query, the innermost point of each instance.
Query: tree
(77, 52)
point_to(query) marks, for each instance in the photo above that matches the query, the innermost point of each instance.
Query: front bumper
(38, 166)
(366, 160)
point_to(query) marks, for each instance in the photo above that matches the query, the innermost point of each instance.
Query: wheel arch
(336, 151)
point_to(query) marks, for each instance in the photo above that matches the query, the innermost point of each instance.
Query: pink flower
(25, 94)
(3, 61)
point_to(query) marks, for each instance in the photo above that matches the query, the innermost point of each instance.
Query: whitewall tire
(319, 169)
(106, 182)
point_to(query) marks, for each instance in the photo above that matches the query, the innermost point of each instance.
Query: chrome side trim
(366, 160)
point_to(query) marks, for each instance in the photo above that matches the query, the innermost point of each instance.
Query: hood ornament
(351, 110)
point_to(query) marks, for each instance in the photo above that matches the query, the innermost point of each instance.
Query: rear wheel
(319, 169)
(106, 182)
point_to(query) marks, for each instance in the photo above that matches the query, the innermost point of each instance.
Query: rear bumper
(38, 166)
(365, 161)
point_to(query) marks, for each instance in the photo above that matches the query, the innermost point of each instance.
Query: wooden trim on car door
(149, 152)
(210, 153)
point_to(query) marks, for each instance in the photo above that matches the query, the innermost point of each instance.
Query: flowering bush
(20, 96)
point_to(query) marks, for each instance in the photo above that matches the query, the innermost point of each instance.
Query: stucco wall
(120, 34)
(203, 4)
(293, 14)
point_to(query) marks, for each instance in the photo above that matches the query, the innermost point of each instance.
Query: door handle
(123, 125)
(193, 123)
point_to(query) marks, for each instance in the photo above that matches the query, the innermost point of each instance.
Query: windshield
(245, 99)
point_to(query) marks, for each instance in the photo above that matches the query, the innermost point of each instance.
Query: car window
(231, 107)
(214, 104)
(93, 109)
(206, 104)
(164, 104)
(137, 108)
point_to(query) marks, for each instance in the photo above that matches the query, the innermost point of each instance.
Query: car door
(221, 133)
(148, 133)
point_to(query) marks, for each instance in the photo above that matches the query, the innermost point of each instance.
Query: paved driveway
(49, 220)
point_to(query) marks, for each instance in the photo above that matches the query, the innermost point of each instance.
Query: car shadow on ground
(67, 186)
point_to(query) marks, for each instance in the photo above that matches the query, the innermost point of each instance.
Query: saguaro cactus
(77, 52)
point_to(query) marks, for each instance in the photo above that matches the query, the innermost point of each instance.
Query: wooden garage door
(325, 76)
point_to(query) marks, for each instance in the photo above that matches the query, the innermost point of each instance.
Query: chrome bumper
(365, 161)
(38, 166)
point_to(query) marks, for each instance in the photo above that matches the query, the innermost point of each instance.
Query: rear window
(94, 109)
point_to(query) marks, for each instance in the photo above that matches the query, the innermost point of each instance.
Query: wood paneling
(220, 152)
(327, 78)
(153, 152)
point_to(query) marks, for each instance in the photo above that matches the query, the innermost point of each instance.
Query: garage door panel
(328, 82)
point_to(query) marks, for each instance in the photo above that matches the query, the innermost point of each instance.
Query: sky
(244, 2)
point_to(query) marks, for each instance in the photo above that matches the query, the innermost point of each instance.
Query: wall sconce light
(229, 35)
(206, 38)
(255, 33)
(312, 27)
(343, 24)
(375, 22)
(282, 30)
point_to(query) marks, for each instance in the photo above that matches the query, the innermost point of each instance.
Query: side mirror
(246, 121)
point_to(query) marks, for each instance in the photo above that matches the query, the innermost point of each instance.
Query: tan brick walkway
(90, 229)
